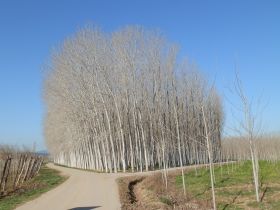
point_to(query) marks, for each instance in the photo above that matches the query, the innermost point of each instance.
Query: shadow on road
(85, 208)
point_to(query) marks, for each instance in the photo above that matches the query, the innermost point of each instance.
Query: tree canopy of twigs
(124, 101)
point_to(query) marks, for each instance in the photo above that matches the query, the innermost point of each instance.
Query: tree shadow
(85, 208)
(264, 192)
(233, 200)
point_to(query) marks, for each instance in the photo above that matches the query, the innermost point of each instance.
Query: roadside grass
(43, 182)
(234, 185)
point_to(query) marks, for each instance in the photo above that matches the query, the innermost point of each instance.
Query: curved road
(82, 191)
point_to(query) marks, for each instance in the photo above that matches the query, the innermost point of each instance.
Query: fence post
(5, 174)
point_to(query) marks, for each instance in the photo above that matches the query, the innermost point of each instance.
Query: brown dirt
(149, 192)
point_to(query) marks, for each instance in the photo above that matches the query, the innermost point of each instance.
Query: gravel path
(82, 191)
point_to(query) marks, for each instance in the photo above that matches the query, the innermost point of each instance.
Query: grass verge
(234, 189)
(234, 185)
(43, 182)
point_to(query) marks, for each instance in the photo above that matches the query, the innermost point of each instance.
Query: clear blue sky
(217, 35)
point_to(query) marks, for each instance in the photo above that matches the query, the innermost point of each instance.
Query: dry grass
(149, 192)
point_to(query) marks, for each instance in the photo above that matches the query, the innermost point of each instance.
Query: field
(43, 182)
(233, 185)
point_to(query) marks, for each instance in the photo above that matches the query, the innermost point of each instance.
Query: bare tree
(123, 101)
(247, 127)
(208, 133)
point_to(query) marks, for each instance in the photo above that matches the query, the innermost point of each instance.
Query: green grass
(234, 185)
(43, 182)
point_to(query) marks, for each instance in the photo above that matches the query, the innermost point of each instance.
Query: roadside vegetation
(234, 188)
(45, 180)
(24, 176)
(16, 168)
(234, 185)
(149, 192)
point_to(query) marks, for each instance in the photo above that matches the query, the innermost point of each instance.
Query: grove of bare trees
(124, 101)
(238, 149)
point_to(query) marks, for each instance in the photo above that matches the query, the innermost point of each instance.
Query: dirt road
(82, 191)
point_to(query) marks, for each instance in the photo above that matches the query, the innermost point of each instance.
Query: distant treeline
(236, 148)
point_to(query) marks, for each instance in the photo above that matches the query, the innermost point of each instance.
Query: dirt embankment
(149, 192)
